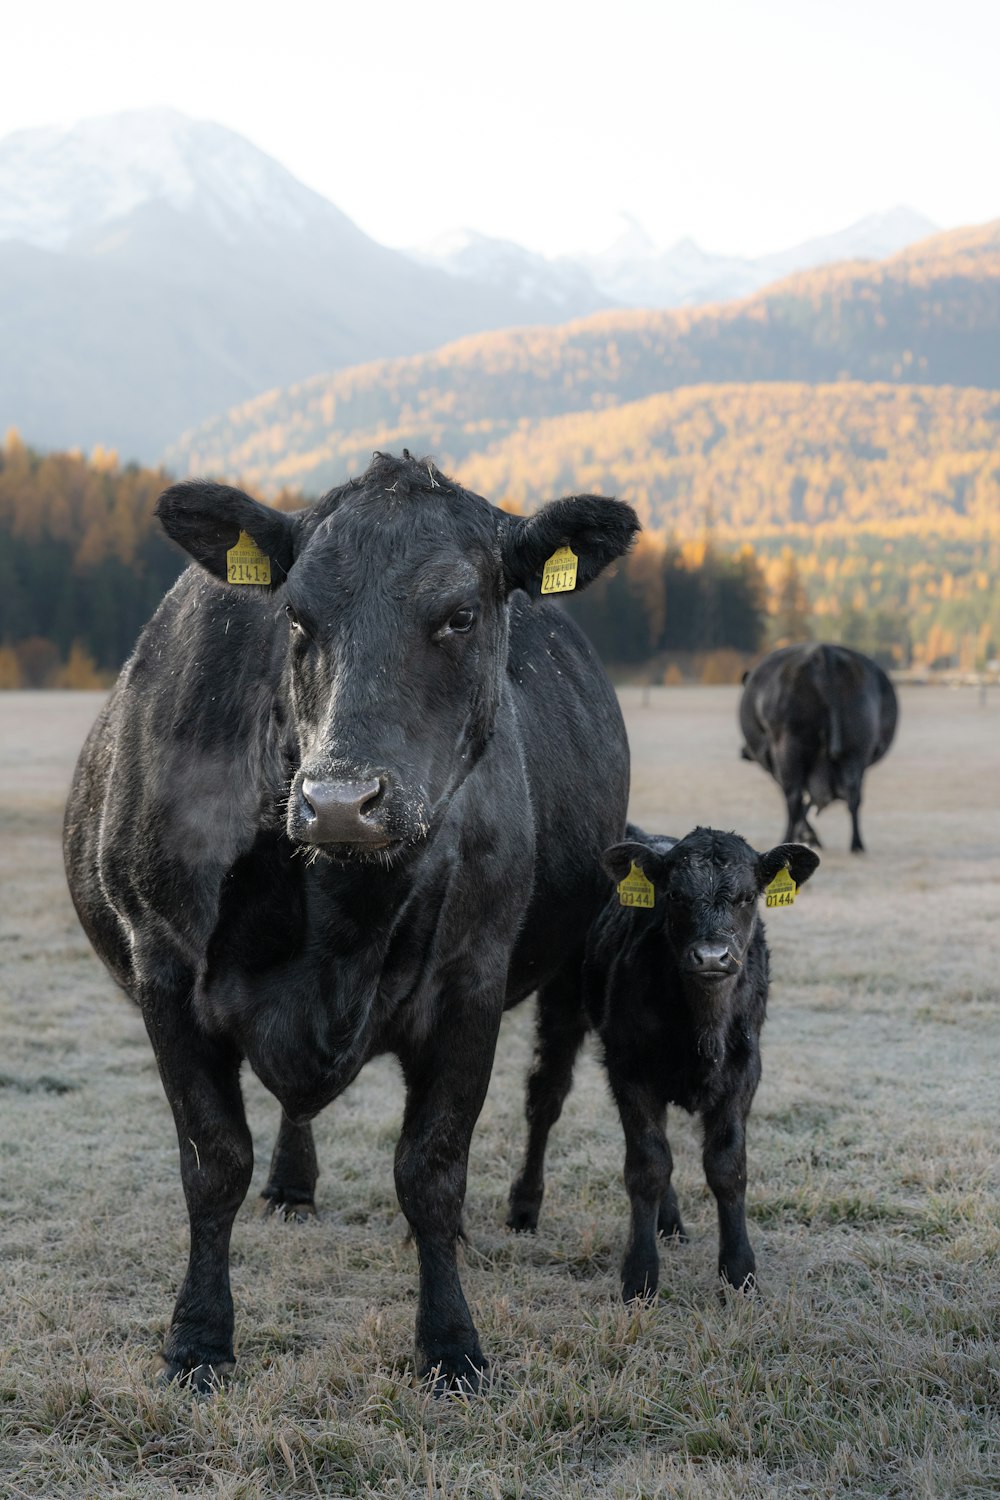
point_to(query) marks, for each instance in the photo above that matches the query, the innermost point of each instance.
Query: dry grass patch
(866, 1367)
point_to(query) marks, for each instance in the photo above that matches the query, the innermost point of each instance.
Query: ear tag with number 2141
(636, 889)
(246, 563)
(781, 891)
(559, 573)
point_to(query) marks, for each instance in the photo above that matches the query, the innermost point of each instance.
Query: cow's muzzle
(344, 812)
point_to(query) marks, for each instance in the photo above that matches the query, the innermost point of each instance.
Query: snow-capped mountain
(57, 185)
(523, 274)
(634, 271)
(155, 270)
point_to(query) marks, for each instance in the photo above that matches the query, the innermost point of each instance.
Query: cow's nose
(344, 812)
(710, 958)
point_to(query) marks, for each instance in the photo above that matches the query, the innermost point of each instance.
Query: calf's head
(392, 597)
(707, 887)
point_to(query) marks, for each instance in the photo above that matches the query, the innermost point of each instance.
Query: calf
(677, 988)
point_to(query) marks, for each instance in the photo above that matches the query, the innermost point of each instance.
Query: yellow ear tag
(559, 573)
(781, 891)
(246, 563)
(636, 889)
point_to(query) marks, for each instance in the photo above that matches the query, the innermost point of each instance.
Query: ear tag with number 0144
(781, 891)
(559, 573)
(636, 889)
(246, 563)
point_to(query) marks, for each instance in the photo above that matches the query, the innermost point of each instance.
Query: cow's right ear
(207, 520)
(619, 859)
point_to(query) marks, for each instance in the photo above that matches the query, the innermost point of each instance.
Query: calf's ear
(596, 529)
(207, 519)
(799, 860)
(618, 860)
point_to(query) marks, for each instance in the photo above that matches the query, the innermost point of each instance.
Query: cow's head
(393, 592)
(708, 885)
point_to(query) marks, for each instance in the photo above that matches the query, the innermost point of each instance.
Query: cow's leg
(446, 1083)
(852, 791)
(290, 1191)
(648, 1169)
(725, 1159)
(202, 1084)
(560, 1027)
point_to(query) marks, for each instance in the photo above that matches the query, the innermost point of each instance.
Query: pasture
(866, 1366)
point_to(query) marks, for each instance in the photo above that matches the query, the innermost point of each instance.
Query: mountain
(929, 316)
(633, 271)
(156, 269)
(562, 285)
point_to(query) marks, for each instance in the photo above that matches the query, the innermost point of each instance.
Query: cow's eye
(462, 621)
(293, 618)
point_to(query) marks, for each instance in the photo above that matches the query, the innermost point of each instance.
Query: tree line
(83, 565)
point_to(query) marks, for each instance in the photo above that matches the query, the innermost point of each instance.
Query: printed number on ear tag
(636, 889)
(246, 563)
(559, 573)
(781, 891)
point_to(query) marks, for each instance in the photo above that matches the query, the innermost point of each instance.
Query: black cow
(355, 810)
(678, 993)
(816, 717)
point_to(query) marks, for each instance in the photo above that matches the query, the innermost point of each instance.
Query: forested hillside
(929, 316)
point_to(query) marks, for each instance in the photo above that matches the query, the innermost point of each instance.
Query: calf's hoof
(208, 1375)
(277, 1206)
(522, 1213)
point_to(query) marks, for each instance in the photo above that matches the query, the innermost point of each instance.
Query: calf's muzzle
(344, 812)
(710, 960)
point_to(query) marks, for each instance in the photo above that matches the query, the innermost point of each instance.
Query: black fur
(815, 717)
(399, 656)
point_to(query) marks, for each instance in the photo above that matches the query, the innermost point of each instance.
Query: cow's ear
(597, 531)
(208, 519)
(619, 859)
(799, 860)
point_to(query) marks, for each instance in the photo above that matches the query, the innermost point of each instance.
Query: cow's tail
(822, 668)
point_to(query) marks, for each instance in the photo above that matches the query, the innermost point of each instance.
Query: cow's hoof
(644, 1294)
(745, 1285)
(522, 1220)
(456, 1374)
(277, 1207)
(640, 1281)
(204, 1377)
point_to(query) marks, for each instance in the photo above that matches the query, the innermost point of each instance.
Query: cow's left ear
(596, 529)
(208, 519)
(799, 860)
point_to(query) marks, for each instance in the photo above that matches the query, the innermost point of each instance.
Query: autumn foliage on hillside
(929, 316)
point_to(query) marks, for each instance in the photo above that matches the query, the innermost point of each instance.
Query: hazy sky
(749, 124)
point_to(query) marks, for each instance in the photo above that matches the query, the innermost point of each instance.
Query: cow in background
(816, 717)
(348, 797)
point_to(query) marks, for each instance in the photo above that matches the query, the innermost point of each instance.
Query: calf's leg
(648, 1169)
(560, 1027)
(446, 1082)
(201, 1081)
(725, 1160)
(290, 1190)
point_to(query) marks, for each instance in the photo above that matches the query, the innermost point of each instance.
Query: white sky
(749, 124)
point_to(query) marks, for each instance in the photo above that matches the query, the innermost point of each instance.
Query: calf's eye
(462, 621)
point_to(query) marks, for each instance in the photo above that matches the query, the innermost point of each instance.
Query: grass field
(867, 1366)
